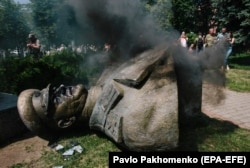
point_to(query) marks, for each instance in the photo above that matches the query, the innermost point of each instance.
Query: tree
(191, 15)
(198, 15)
(67, 27)
(203, 15)
(243, 33)
(161, 10)
(235, 16)
(183, 11)
(54, 21)
(44, 19)
(13, 30)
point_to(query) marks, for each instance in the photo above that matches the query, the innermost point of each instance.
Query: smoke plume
(121, 23)
(125, 24)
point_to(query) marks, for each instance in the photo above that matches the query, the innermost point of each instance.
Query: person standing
(33, 46)
(229, 41)
(199, 42)
(223, 35)
(210, 38)
(183, 39)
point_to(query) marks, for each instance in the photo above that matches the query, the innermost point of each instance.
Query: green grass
(238, 80)
(211, 135)
(95, 154)
(240, 61)
(208, 135)
(238, 77)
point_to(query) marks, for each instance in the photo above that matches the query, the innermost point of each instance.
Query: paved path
(234, 108)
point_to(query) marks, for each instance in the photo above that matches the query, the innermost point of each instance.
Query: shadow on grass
(199, 129)
(240, 60)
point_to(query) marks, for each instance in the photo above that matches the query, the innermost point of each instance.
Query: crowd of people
(201, 42)
(211, 38)
(35, 49)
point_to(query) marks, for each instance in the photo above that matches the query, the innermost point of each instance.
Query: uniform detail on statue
(102, 118)
(141, 113)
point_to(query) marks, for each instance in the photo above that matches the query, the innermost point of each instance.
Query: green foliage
(235, 16)
(17, 74)
(197, 16)
(191, 37)
(69, 64)
(238, 77)
(161, 10)
(191, 16)
(54, 21)
(183, 11)
(44, 19)
(13, 25)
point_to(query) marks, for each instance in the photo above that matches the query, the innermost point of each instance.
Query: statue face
(47, 111)
(66, 103)
(59, 107)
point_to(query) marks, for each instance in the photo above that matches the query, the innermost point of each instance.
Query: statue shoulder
(135, 71)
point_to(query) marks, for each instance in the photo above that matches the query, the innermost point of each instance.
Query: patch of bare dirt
(25, 149)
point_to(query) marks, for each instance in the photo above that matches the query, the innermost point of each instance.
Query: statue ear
(65, 123)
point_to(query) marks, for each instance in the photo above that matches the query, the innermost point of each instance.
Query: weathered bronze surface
(138, 105)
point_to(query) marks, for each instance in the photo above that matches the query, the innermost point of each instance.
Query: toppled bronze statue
(138, 105)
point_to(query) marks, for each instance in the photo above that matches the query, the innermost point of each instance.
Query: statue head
(51, 110)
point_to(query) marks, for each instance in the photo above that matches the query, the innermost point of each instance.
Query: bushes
(191, 38)
(17, 74)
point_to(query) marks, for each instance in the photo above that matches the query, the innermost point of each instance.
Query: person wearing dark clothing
(33, 46)
(199, 43)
